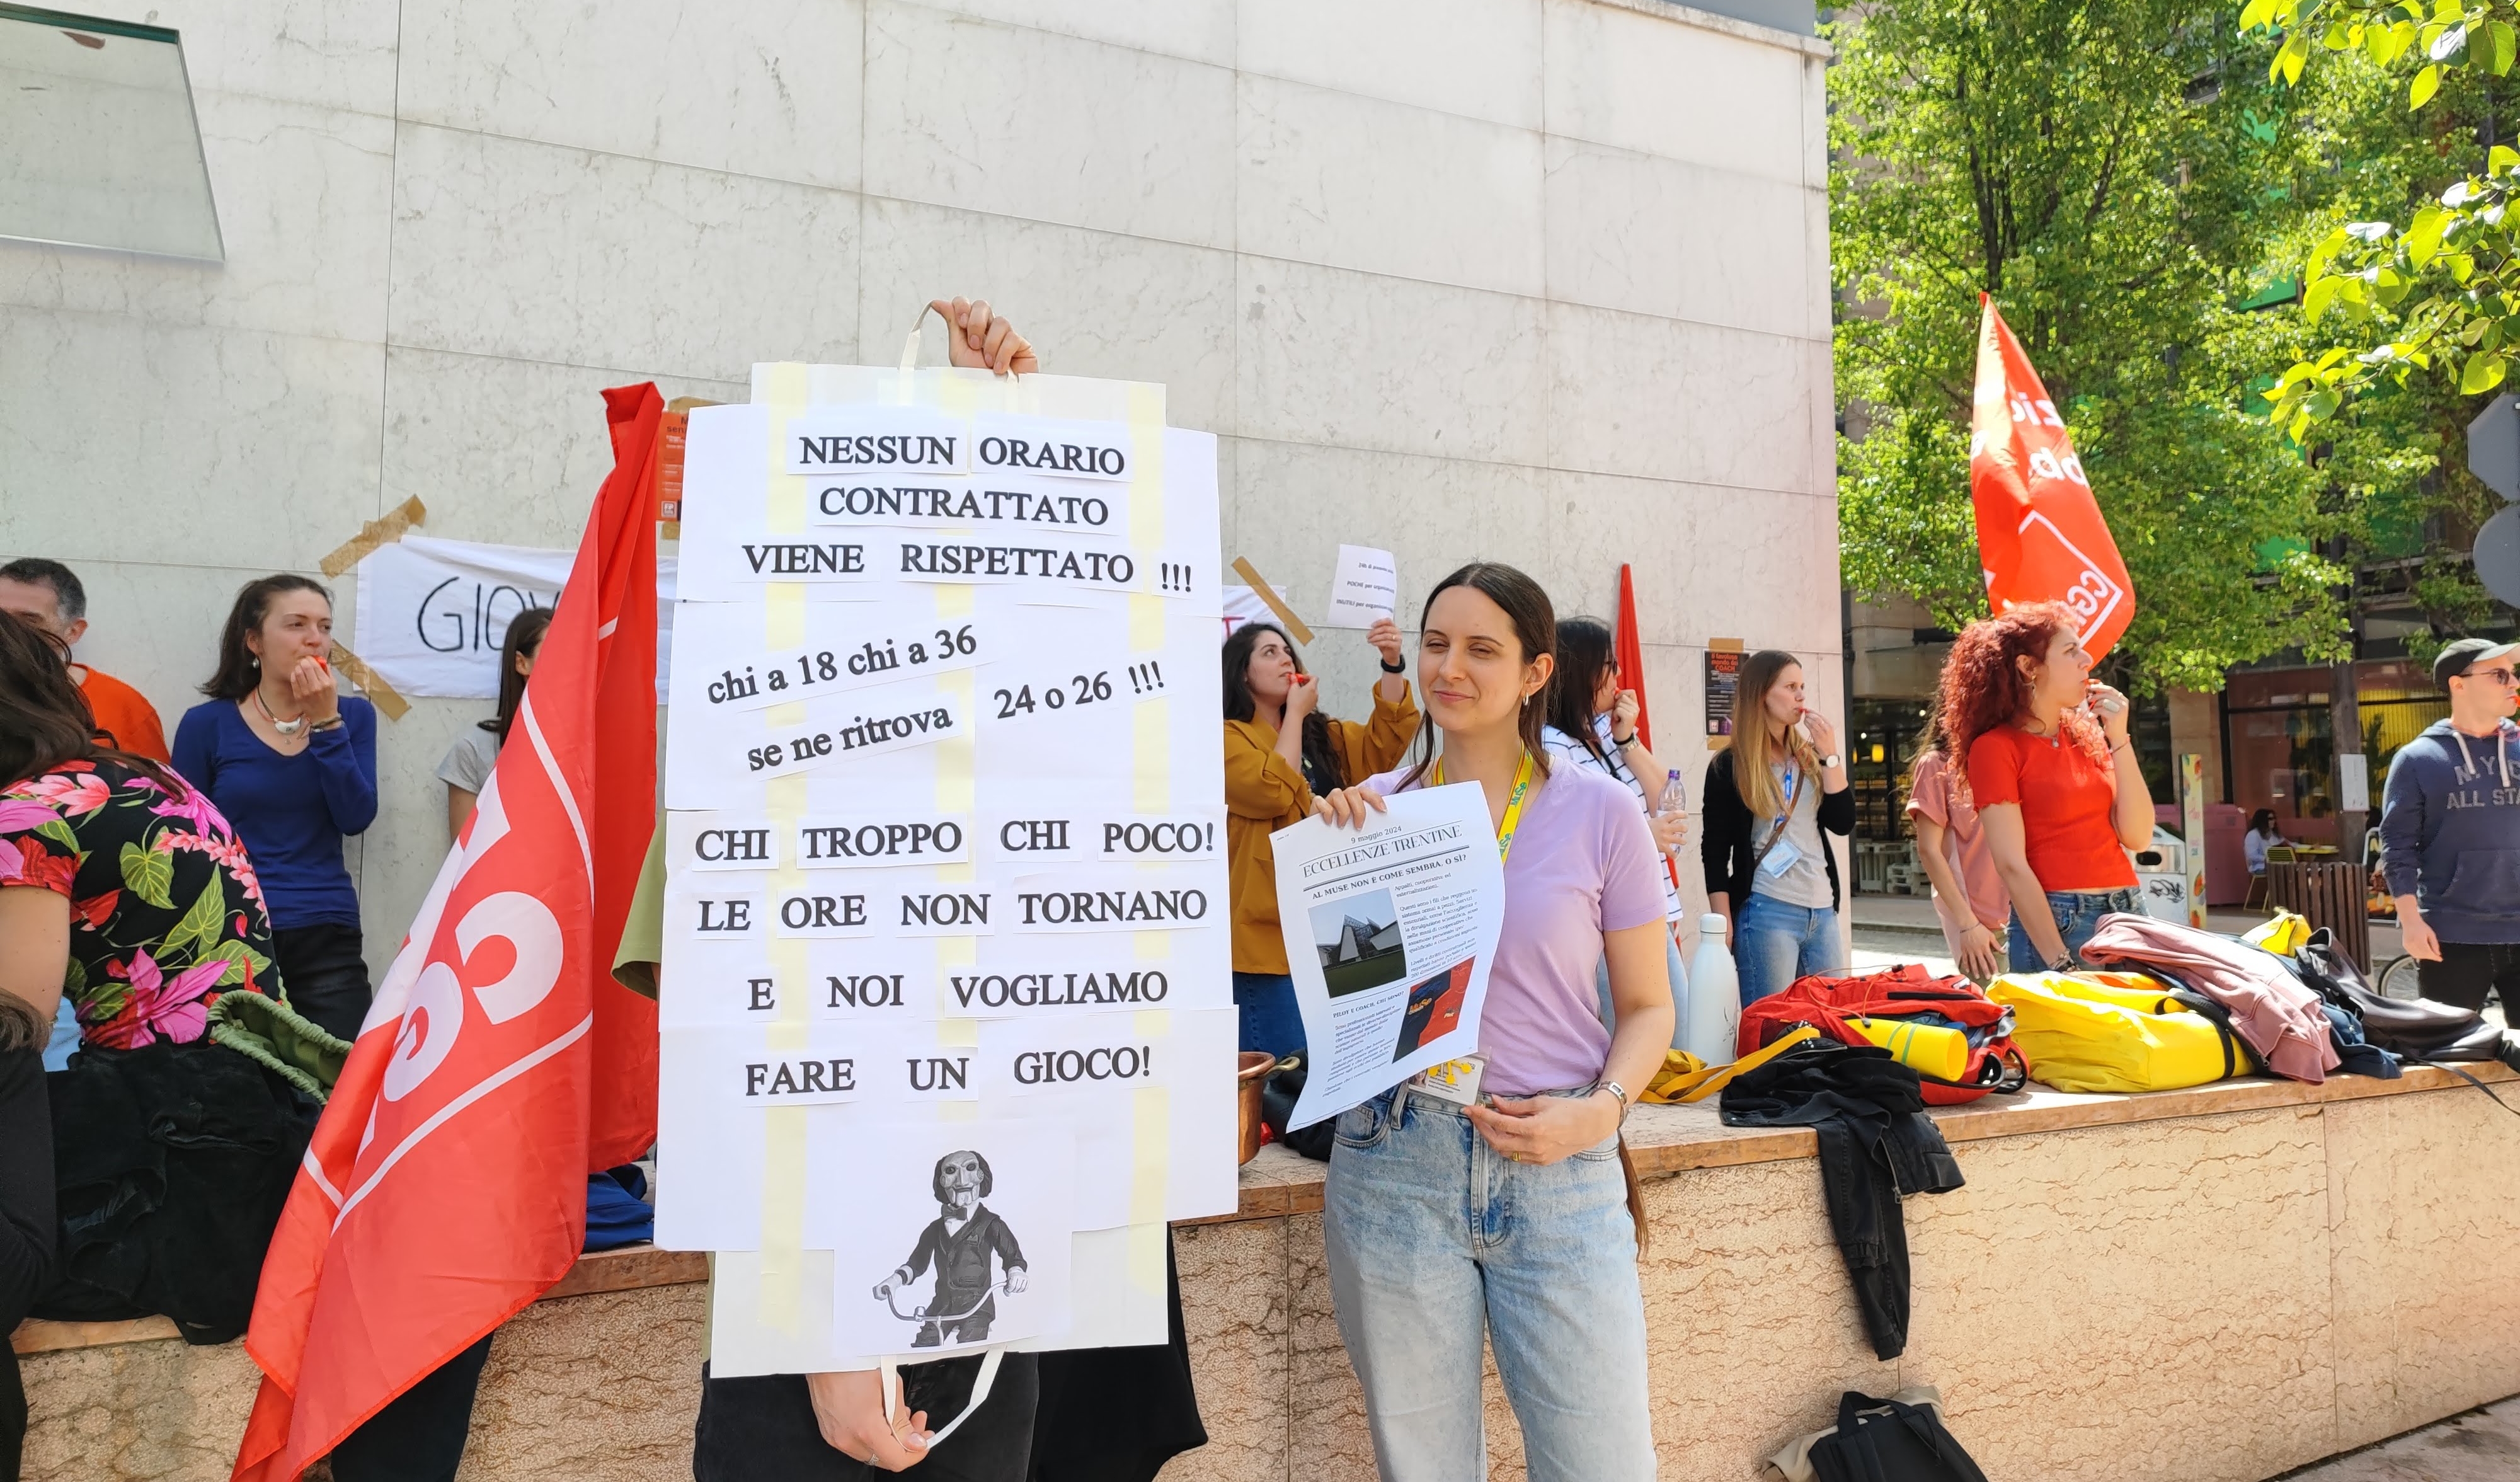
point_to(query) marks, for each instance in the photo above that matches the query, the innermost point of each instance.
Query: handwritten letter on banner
(948, 1023)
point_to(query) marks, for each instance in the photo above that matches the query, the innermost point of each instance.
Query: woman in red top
(2052, 775)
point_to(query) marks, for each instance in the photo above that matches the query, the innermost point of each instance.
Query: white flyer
(1391, 931)
(1365, 588)
(946, 1022)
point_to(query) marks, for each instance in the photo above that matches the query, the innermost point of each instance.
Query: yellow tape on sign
(782, 1218)
(1152, 755)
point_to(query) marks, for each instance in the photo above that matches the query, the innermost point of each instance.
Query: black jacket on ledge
(1733, 833)
(1876, 1144)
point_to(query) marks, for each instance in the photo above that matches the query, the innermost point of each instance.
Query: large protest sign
(948, 1025)
(432, 613)
(1391, 931)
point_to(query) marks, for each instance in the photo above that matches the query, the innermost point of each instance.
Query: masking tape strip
(1268, 595)
(782, 1219)
(355, 669)
(384, 530)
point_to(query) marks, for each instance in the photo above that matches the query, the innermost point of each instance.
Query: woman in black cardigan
(1768, 799)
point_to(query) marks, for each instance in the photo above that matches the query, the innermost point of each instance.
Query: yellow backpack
(2113, 1031)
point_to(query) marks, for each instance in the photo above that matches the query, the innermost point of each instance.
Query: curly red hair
(1983, 687)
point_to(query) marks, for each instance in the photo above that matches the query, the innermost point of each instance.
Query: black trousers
(419, 1436)
(323, 971)
(26, 1221)
(762, 1429)
(2467, 969)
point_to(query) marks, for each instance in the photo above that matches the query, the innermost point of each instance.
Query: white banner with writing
(432, 613)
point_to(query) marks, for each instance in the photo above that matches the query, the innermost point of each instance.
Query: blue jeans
(1266, 1005)
(1435, 1239)
(1774, 944)
(2078, 914)
(1673, 965)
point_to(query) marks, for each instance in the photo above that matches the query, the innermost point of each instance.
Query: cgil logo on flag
(2039, 535)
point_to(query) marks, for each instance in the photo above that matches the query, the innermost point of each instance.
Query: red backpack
(1906, 993)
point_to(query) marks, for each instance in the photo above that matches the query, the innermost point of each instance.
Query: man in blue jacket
(2449, 832)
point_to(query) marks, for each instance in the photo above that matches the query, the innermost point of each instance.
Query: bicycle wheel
(2398, 979)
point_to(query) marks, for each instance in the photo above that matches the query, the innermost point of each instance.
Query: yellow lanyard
(1512, 803)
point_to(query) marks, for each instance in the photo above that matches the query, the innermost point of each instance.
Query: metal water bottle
(1714, 996)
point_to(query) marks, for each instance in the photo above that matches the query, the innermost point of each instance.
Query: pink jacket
(2271, 1009)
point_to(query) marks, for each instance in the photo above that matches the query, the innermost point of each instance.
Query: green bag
(283, 1041)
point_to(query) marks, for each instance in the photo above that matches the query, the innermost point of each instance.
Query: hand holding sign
(1364, 589)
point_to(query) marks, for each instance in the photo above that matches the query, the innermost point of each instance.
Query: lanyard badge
(1513, 804)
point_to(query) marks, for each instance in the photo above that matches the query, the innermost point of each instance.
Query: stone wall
(2214, 1285)
(1544, 280)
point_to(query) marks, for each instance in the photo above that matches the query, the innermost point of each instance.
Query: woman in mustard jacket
(1279, 750)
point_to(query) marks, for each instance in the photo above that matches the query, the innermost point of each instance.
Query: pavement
(2481, 1446)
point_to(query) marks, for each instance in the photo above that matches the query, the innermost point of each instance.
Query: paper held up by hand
(1365, 588)
(1390, 931)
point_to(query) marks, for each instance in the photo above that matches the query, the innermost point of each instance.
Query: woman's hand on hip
(1546, 1129)
(1349, 807)
(312, 685)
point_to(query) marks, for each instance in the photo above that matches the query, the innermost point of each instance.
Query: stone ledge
(1664, 1141)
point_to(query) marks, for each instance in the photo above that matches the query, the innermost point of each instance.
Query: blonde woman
(1769, 797)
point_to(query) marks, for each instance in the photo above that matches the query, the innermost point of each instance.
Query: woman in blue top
(292, 764)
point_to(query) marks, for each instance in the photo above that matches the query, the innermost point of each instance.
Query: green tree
(2118, 174)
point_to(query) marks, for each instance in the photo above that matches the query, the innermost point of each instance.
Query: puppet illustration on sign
(960, 1240)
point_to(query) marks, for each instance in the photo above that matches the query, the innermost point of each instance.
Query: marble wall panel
(1679, 241)
(1235, 1313)
(136, 442)
(1480, 58)
(755, 87)
(304, 199)
(537, 253)
(164, 1412)
(1663, 398)
(2162, 1293)
(1643, 82)
(1329, 177)
(396, 859)
(1094, 303)
(1604, 520)
(507, 451)
(1198, 31)
(2418, 1184)
(1326, 356)
(1022, 122)
(333, 53)
(1709, 560)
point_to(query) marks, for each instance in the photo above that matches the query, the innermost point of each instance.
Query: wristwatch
(1831, 761)
(1621, 1091)
(1389, 667)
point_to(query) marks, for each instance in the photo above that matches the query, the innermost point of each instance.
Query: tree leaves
(2427, 82)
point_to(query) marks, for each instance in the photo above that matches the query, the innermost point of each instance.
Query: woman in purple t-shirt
(1509, 1219)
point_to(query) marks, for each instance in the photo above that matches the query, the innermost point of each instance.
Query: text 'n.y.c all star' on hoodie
(2451, 830)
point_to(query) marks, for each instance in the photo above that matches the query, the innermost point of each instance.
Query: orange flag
(2039, 535)
(445, 1187)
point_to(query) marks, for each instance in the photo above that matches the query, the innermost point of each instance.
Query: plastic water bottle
(1714, 996)
(1675, 795)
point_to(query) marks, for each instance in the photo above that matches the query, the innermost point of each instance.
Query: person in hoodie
(2449, 832)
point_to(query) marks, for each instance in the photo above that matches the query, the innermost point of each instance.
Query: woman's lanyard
(1512, 803)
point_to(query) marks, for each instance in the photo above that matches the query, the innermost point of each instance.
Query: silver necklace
(284, 727)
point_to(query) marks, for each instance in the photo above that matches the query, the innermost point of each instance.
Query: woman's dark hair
(1319, 757)
(2263, 822)
(1535, 627)
(1583, 655)
(525, 633)
(237, 673)
(44, 719)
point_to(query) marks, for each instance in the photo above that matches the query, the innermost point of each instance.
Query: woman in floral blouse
(124, 891)
(165, 912)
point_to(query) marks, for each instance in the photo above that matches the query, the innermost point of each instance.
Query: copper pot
(1252, 1072)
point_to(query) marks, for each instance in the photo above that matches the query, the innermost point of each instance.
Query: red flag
(1630, 651)
(2039, 535)
(445, 1187)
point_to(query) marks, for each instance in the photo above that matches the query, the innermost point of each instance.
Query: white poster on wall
(946, 1008)
(432, 613)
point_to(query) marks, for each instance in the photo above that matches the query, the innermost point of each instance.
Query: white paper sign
(946, 1017)
(1365, 587)
(1391, 931)
(432, 613)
